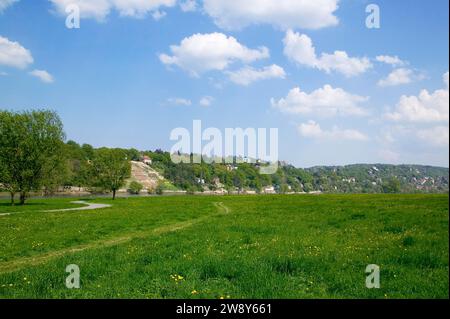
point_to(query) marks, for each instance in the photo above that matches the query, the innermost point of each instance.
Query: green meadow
(231, 247)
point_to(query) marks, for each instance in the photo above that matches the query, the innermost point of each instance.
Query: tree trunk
(12, 198)
(23, 197)
(114, 194)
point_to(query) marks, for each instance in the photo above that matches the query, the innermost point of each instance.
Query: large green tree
(110, 168)
(31, 151)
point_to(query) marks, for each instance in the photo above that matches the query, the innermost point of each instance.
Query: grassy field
(229, 247)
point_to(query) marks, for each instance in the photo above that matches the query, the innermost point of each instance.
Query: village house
(146, 160)
(269, 190)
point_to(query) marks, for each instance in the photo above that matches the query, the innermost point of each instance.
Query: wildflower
(194, 292)
(177, 278)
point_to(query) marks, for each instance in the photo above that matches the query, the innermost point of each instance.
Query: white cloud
(326, 101)
(4, 4)
(42, 75)
(179, 101)
(397, 77)
(426, 107)
(248, 75)
(215, 51)
(188, 6)
(313, 130)
(206, 101)
(284, 14)
(299, 48)
(139, 8)
(445, 79)
(158, 15)
(13, 54)
(100, 9)
(394, 61)
(389, 155)
(437, 136)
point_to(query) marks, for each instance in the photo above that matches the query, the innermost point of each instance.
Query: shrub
(135, 188)
(160, 188)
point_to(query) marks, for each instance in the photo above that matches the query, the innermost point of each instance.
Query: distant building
(269, 190)
(146, 160)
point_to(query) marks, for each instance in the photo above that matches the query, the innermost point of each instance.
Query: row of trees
(231, 176)
(34, 157)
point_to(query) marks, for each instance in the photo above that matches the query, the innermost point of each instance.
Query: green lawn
(293, 246)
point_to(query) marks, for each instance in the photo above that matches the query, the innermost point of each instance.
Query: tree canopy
(31, 151)
(109, 169)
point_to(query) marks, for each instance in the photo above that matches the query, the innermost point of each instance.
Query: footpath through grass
(231, 247)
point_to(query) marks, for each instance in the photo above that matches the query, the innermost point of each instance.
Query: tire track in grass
(222, 208)
(18, 264)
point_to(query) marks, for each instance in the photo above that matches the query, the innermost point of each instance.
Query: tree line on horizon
(34, 157)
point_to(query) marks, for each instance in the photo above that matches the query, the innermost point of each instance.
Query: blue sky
(116, 81)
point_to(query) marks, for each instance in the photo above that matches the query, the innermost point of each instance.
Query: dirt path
(89, 206)
(18, 264)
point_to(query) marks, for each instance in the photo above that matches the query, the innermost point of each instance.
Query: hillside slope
(145, 175)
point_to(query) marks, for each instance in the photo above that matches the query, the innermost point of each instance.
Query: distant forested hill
(245, 177)
(381, 178)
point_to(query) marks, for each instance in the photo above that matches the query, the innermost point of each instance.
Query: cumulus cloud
(326, 101)
(394, 61)
(436, 136)
(425, 108)
(284, 14)
(188, 6)
(397, 77)
(248, 75)
(42, 75)
(214, 51)
(13, 54)
(389, 155)
(4, 4)
(313, 130)
(100, 9)
(158, 15)
(179, 101)
(206, 101)
(299, 48)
